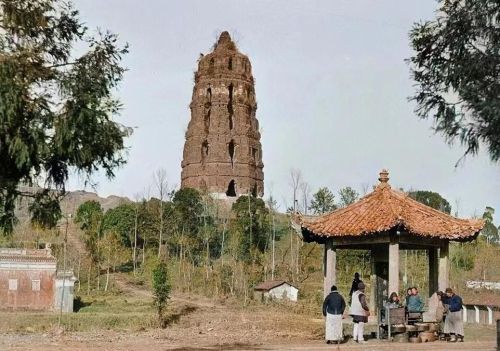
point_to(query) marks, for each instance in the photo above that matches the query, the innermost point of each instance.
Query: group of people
(447, 307)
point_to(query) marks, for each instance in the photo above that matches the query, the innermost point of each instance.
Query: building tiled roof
(26, 255)
(385, 209)
(270, 284)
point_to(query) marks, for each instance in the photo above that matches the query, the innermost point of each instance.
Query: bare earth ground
(223, 328)
(196, 323)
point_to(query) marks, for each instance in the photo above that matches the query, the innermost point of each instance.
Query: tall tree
(347, 196)
(457, 70)
(121, 220)
(305, 190)
(431, 199)
(252, 222)
(323, 201)
(490, 231)
(161, 185)
(57, 106)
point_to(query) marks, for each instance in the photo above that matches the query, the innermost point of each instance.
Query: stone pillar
(433, 270)
(329, 267)
(394, 266)
(444, 267)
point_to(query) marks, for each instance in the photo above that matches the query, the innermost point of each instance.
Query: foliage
(89, 215)
(121, 220)
(490, 231)
(161, 290)
(56, 105)
(431, 199)
(347, 196)
(252, 225)
(86, 213)
(462, 255)
(323, 201)
(113, 252)
(45, 210)
(188, 209)
(455, 66)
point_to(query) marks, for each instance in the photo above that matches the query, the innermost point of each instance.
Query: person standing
(333, 310)
(453, 324)
(354, 285)
(359, 313)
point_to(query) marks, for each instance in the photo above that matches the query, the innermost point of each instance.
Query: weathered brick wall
(223, 138)
(24, 297)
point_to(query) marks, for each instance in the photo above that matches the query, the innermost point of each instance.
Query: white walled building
(276, 289)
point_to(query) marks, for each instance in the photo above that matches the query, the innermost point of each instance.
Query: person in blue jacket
(454, 324)
(414, 302)
(333, 310)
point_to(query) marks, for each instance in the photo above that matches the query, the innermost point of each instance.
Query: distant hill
(70, 202)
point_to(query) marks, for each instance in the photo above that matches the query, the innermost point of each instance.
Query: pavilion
(384, 222)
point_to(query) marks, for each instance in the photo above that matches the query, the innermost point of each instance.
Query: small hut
(276, 289)
(384, 222)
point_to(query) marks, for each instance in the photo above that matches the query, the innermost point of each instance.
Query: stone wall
(222, 145)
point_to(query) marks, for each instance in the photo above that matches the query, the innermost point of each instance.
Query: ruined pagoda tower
(222, 152)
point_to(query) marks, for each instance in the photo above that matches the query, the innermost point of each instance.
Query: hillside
(70, 202)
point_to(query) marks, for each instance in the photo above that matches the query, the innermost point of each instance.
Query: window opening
(230, 106)
(12, 284)
(35, 285)
(255, 154)
(204, 151)
(209, 94)
(231, 189)
(207, 120)
(230, 63)
(231, 149)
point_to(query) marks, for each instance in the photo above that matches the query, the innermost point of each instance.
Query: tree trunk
(135, 239)
(143, 252)
(98, 268)
(107, 279)
(89, 277)
(161, 226)
(78, 272)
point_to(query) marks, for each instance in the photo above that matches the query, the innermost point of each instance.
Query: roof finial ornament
(384, 178)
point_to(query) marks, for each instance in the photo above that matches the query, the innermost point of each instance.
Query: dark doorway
(254, 190)
(204, 151)
(231, 189)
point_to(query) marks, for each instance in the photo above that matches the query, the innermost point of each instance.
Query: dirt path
(111, 341)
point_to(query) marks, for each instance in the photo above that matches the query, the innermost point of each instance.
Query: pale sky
(331, 86)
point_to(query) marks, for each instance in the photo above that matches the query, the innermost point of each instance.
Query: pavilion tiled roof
(385, 209)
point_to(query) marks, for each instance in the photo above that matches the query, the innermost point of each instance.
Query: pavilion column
(394, 266)
(444, 267)
(433, 270)
(329, 267)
